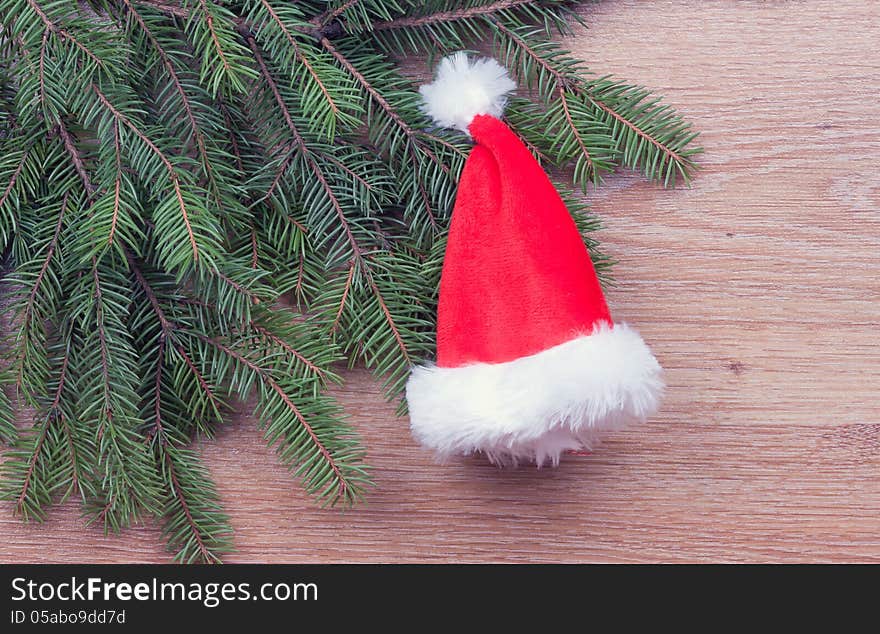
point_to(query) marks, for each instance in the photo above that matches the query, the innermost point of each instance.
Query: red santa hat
(529, 361)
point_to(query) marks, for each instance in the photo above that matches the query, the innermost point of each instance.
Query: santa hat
(529, 362)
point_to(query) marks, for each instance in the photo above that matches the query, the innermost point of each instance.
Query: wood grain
(758, 288)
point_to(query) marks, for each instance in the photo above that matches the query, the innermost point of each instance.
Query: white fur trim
(463, 89)
(536, 407)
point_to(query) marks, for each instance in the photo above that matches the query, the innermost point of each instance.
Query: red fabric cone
(517, 278)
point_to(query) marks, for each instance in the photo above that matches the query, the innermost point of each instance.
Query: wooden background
(758, 289)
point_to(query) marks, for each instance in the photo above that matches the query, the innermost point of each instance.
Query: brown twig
(345, 292)
(390, 319)
(76, 158)
(164, 322)
(14, 177)
(117, 182)
(206, 554)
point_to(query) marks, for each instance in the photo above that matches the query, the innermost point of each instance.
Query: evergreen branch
(563, 99)
(8, 430)
(172, 174)
(205, 553)
(108, 365)
(50, 251)
(101, 332)
(209, 20)
(345, 292)
(66, 427)
(562, 88)
(267, 77)
(665, 149)
(177, 493)
(75, 157)
(194, 523)
(117, 183)
(233, 141)
(389, 318)
(297, 51)
(238, 287)
(216, 403)
(29, 311)
(42, 66)
(54, 28)
(21, 507)
(157, 430)
(287, 347)
(340, 479)
(566, 82)
(300, 144)
(449, 16)
(328, 16)
(15, 174)
(164, 322)
(178, 86)
(167, 329)
(377, 97)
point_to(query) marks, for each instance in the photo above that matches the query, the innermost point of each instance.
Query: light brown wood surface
(758, 289)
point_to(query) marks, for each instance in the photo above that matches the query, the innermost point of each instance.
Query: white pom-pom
(463, 89)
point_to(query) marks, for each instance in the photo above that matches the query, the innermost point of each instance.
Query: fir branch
(77, 470)
(50, 251)
(208, 532)
(298, 144)
(215, 40)
(330, 15)
(63, 33)
(449, 16)
(389, 318)
(341, 486)
(342, 302)
(215, 401)
(297, 51)
(24, 507)
(30, 313)
(8, 430)
(380, 101)
(75, 157)
(117, 183)
(172, 173)
(164, 322)
(625, 106)
(10, 185)
(203, 552)
(42, 66)
(184, 99)
(167, 331)
(264, 332)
